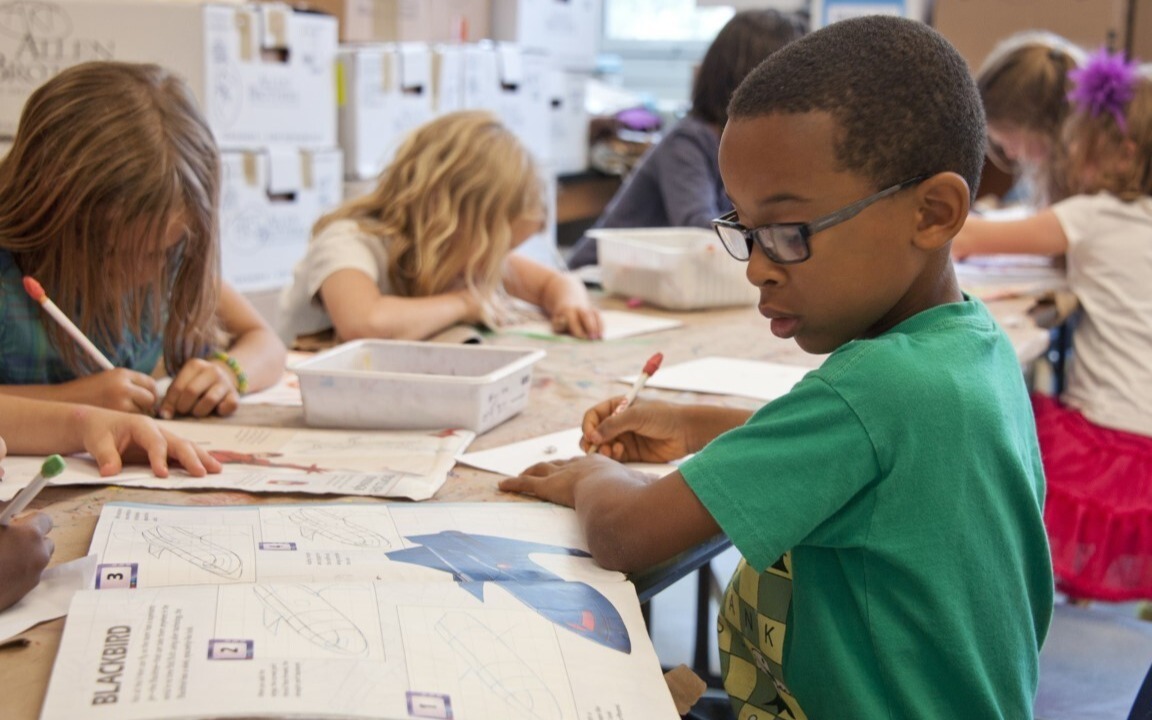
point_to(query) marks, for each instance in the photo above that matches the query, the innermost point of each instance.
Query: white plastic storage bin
(415, 385)
(679, 268)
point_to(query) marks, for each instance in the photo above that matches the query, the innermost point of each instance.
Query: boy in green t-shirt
(888, 508)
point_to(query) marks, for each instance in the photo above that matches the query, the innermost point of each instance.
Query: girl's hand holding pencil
(113, 388)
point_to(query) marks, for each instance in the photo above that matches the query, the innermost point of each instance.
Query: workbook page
(408, 464)
(354, 650)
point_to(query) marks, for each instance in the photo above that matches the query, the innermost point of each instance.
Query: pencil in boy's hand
(51, 467)
(649, 370)
(36, 291)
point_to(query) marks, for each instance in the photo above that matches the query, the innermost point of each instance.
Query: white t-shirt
(1110, 270)
(340, 246)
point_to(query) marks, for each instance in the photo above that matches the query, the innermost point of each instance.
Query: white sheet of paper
(617, 324)
(354, 611)
(727, 376)
(50, 599)
(514, 458)
(410, 464)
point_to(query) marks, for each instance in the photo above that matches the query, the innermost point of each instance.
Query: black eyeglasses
(787, 243)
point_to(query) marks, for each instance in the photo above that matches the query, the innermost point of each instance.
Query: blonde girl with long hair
(1024, 85)
(109, 197)
(432, 245)
(1096, 438)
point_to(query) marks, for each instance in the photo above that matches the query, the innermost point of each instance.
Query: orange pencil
(649, 370)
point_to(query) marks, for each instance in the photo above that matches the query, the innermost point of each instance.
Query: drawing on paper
(502, 672)
(311, 617)
(477, 559)
(333, 525)
(260, 459)
(193, 549)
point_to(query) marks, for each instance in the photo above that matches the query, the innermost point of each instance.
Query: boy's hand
(112, 438)
(201, 388)
(118, 389)
(556, 481)
(24, 553)
(579, 321)
(647, 431)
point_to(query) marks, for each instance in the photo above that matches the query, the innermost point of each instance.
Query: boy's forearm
(633, 521)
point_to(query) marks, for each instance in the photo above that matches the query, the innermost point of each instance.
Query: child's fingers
(106, 454)
(592, 419)
(591, 322)
(521, 484)
(38, 521)
(216, 397)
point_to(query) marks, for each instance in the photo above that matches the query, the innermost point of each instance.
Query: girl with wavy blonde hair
(431, 246)
(109, 197)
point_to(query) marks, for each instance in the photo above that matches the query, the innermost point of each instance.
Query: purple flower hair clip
(1106, 83)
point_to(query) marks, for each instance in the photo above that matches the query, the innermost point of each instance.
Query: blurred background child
(1024, 86)
(109, 197)
(431, 246)
(1096, 439)
(677, 184)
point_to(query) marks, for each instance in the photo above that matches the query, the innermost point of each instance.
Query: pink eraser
(33, 288)
(653, 363)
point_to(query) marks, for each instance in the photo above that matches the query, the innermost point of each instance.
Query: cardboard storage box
(415, 385)
(674, 268)
(569, 121)
(428, 21)
(261, 73)
(512, 83)
(385, 93)
(568, 31)
(269, 200)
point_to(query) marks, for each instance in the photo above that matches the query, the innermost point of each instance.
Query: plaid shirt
(27, 355)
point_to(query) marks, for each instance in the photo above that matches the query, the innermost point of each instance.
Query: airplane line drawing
(193, 549)
(311, 617)
(508, 676)
(335, 526)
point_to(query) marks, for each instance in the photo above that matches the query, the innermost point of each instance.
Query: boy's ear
(943, 208)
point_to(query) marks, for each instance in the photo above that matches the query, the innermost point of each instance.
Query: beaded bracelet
(241, 376)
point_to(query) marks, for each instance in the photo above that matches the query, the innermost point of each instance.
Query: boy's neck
(935, 286)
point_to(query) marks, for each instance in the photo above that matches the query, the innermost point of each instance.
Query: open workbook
(479, 610)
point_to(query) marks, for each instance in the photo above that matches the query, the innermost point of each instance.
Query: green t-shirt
(905, 478)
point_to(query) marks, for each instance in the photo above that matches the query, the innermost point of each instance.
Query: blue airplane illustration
(477, 559)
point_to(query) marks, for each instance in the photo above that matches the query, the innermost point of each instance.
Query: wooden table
(573, 376)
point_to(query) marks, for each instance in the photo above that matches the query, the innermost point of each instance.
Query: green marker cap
(53, 466)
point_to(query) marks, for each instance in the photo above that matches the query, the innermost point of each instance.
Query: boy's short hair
(901, 95)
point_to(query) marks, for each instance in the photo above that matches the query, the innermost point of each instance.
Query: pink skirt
(1098, 504)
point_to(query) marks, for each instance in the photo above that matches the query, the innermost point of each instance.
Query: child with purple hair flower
(1096, 439)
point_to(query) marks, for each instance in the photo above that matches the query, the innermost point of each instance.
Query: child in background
(909, 577)
(1096, 440)
(34, 427)
(1024, 86)
(677, 183)
(431, 246)
(109, 197)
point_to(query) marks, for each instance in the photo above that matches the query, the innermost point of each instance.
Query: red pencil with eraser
(37, 293)
(649, 370)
